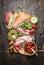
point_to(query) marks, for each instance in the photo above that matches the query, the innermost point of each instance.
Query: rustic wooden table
(34, 7)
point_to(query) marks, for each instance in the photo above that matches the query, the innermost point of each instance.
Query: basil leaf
(20, 9)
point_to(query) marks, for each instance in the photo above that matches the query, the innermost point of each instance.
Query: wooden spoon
(34, 52)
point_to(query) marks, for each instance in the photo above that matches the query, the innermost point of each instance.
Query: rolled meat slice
(18, 41)
(21, 30)
(7, 16)
(22, 39)
(10, 19)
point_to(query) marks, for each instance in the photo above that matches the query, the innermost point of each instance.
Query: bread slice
(21, 17)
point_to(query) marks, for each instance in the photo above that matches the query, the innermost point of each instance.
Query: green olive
(12, 35)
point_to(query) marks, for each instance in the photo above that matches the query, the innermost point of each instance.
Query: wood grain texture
(34, 7)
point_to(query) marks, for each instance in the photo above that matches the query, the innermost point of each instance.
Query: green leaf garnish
(26, 25)
(20, 9)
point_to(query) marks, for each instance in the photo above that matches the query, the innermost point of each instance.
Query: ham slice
(8, 15)
(20, 30)
(22, 39)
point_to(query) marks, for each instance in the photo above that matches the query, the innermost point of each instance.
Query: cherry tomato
(31, 32)
(29, 51)
(34, 26)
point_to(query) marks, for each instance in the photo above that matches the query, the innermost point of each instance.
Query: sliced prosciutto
(26, 31)
(8, 15)
(22, 39)
(10, 19)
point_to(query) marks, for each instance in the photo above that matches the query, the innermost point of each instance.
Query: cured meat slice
(8, 15)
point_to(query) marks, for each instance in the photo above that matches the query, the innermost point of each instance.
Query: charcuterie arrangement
(21, 32)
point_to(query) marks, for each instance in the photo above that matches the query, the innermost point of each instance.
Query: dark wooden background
(34, 7)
